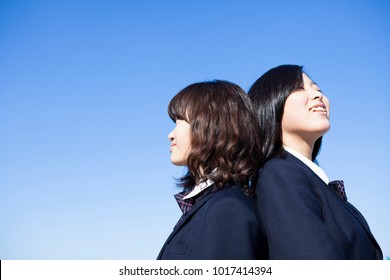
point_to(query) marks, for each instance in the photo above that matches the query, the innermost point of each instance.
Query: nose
(317, 95)
(171, 136)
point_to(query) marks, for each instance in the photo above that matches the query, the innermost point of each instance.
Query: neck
(305, 148)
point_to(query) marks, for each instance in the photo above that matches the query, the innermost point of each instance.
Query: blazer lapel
(348, 206)
(361, 220)
(183, 220)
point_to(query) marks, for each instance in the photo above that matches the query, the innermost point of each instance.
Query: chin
(178, 162)
(326, 129)
(323, 129)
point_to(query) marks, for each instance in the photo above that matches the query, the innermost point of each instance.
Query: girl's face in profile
(306, 113)
(180, 138)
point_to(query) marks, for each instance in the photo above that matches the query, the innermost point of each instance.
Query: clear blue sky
(84, 89)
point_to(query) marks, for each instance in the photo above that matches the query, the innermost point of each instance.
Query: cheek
(295, 101)
(289, 121)
(327, 104)
(292, 111)
(188, 144)
(188, 137)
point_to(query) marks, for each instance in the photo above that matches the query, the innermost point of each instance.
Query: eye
(315, 87)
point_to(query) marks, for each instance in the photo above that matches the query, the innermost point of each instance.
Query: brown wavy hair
(224, 134)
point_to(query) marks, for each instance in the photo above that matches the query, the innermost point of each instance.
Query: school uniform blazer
(304, 219)
(222, 225)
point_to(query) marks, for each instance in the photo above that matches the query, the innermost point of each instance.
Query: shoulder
(288, 177)
(230, 199)
(231, 193)
(280, 163)
(284, 168)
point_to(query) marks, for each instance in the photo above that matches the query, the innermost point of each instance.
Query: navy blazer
(304, 219)
(222, 225)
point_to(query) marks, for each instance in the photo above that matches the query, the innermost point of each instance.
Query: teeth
(316, 109)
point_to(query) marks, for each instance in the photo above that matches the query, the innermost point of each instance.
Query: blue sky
(84, 89)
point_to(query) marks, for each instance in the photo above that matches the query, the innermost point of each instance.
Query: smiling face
(305, 116)
(180, 138)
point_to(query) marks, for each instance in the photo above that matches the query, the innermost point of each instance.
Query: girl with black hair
(304, 215)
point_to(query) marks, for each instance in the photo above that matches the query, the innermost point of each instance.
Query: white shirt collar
(199, 188)
(314, 167)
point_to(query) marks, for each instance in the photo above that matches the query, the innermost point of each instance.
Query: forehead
(307, 80)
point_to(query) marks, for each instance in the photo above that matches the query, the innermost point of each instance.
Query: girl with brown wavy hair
(216, 137)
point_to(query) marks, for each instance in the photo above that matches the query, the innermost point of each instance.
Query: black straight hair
(269, 94)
